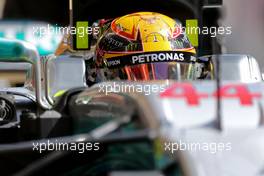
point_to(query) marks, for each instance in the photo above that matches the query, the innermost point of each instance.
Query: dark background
(53, 11)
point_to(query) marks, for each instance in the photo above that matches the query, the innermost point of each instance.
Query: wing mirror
(18, 51)
(198, 70)
(62, 76)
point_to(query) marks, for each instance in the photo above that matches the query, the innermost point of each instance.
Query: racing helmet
(144, 46)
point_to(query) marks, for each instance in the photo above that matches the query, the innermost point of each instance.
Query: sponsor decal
(114, 63)
(114, 42)
(151, 57)
(188, 92)
(160, 57)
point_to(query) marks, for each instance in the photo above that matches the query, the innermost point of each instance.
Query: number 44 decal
(193, 97)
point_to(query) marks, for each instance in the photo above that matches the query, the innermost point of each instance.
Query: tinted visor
(153, 71)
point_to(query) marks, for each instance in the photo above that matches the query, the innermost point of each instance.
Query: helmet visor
(153, 71)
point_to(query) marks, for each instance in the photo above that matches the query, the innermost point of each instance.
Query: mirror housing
(62, 76)
(18, 51)
(236, 67)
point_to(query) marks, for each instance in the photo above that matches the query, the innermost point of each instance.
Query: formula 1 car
(58, 125)
(122, 128)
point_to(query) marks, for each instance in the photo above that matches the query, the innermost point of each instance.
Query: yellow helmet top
(146, 32)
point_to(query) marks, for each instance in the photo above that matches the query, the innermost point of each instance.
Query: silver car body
(188, 115)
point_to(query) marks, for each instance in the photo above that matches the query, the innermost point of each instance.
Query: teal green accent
(45, 45)
(20, 36)
(11, 51)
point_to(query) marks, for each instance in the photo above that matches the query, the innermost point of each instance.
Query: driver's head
(144, 46)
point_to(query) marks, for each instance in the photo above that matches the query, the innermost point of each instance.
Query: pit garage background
(245, 17)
